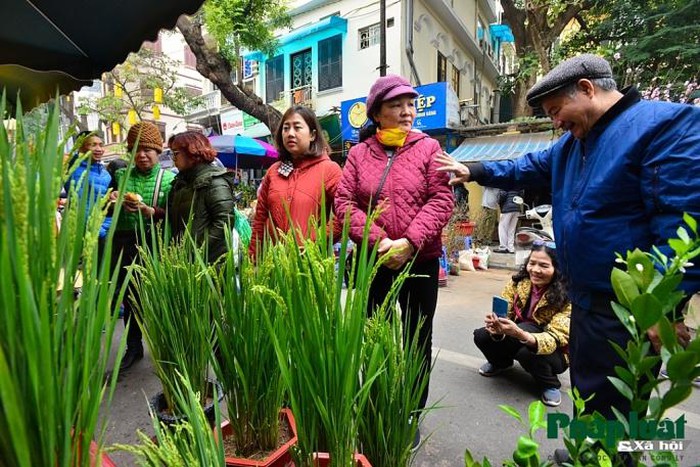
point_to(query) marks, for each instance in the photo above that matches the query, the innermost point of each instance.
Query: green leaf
(527, 447)
(647, 311)
(625, 375)
(676, 395)
(640, 268)
(621, 387)
(536, 413)
(624, 287)
(692, 223)
(683, 235)
(681, 364)
(604, 459)
(677, 245)
(512, 412)
(667, 334)
(624, 315)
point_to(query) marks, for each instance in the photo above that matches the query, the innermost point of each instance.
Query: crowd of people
(615, 177)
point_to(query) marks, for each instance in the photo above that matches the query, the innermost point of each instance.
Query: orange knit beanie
(147, 135)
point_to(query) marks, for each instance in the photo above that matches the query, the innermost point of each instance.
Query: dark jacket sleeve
(219, 203)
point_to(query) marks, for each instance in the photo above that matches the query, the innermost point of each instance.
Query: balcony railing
(303, 95)
(210, 101)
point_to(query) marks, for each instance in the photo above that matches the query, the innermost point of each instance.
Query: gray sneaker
(488, 369)
(551, 397)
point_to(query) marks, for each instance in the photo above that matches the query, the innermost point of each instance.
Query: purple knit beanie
(386, 88)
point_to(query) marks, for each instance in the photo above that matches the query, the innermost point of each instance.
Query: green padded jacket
(142, 183)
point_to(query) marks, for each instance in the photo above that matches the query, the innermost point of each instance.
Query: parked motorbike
(542, 229)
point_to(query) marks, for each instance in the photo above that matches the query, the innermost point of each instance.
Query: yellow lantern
(156, 112)
(116, 129)
(132, 116)
(158, 95)
(118, 90)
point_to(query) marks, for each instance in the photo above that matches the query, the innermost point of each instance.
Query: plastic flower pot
(165, 415)
(465, 228)
(323, 459)
(281, 457)
(104, 461)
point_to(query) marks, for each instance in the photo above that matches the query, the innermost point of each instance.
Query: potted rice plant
(54, 342)
(245, 363)
(176, 313)
(320, 344)
(188, 443)
(394, 394)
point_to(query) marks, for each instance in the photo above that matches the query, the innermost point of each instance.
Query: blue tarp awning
(507, 146)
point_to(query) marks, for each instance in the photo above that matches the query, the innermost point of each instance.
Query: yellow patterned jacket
(555, 321)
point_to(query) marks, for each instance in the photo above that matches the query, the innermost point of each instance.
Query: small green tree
(145, 78)
(235, 25)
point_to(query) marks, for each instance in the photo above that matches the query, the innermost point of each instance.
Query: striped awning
(493, 148)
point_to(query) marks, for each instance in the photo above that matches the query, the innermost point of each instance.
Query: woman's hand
(400, 252)
(496, 325)
(449, 164)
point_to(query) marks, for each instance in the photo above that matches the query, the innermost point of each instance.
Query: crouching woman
(535, 331)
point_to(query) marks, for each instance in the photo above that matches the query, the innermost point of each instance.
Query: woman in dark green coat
(202, 189)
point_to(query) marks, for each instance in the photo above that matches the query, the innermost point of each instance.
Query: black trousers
(418, 299)
(544, 368)
(126, 245)
(593, 359)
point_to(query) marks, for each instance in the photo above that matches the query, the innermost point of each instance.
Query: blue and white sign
(437, 108)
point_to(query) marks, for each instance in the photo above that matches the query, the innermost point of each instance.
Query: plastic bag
(465, 260)
(483, 255)
(242, 227)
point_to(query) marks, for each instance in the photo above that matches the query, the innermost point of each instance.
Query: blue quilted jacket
(98, 181)
(625, 186)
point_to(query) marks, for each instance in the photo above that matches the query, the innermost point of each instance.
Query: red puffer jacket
(416, 200)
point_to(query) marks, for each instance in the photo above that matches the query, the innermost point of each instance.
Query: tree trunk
(216, 68)
(520, 106)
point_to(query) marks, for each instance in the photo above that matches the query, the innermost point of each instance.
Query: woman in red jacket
(394, 168)
(292, 188)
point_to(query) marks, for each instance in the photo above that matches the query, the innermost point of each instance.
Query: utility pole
(382, 37)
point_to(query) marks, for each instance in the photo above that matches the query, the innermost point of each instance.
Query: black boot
(132, 355)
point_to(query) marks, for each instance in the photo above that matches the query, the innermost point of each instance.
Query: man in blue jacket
(621, 176)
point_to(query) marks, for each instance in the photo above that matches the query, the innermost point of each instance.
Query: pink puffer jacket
(416, 200)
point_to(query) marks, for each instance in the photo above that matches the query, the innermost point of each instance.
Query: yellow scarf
(392, 137)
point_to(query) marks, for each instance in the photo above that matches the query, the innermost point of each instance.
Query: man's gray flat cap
(587, 66)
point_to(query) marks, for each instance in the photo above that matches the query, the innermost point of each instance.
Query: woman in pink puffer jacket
(395, 170)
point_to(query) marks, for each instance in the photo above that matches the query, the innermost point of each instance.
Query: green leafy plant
(54, 342)
(188, 443)
(245, 362)
(176, 309)
(648, 297)
(385, 432)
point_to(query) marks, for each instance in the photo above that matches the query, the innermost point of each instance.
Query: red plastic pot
(279, 458)
(323, 459)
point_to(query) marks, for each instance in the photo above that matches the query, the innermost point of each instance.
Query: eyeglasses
(550, 245)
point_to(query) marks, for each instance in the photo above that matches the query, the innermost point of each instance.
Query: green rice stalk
(320, 344)
(385, 432)
(175, 310)
(245, 362)
(53, 351)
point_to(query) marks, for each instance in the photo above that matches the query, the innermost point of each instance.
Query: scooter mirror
(518, 200)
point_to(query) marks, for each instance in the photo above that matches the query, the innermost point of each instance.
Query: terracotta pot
(104, 461)
(323, 459)
(465, 228)
(281, 457)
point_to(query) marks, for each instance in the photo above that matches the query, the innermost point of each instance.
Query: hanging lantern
(116, 129)
(118, 90)
(156, 112)
(132, 117)
(158, 95)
